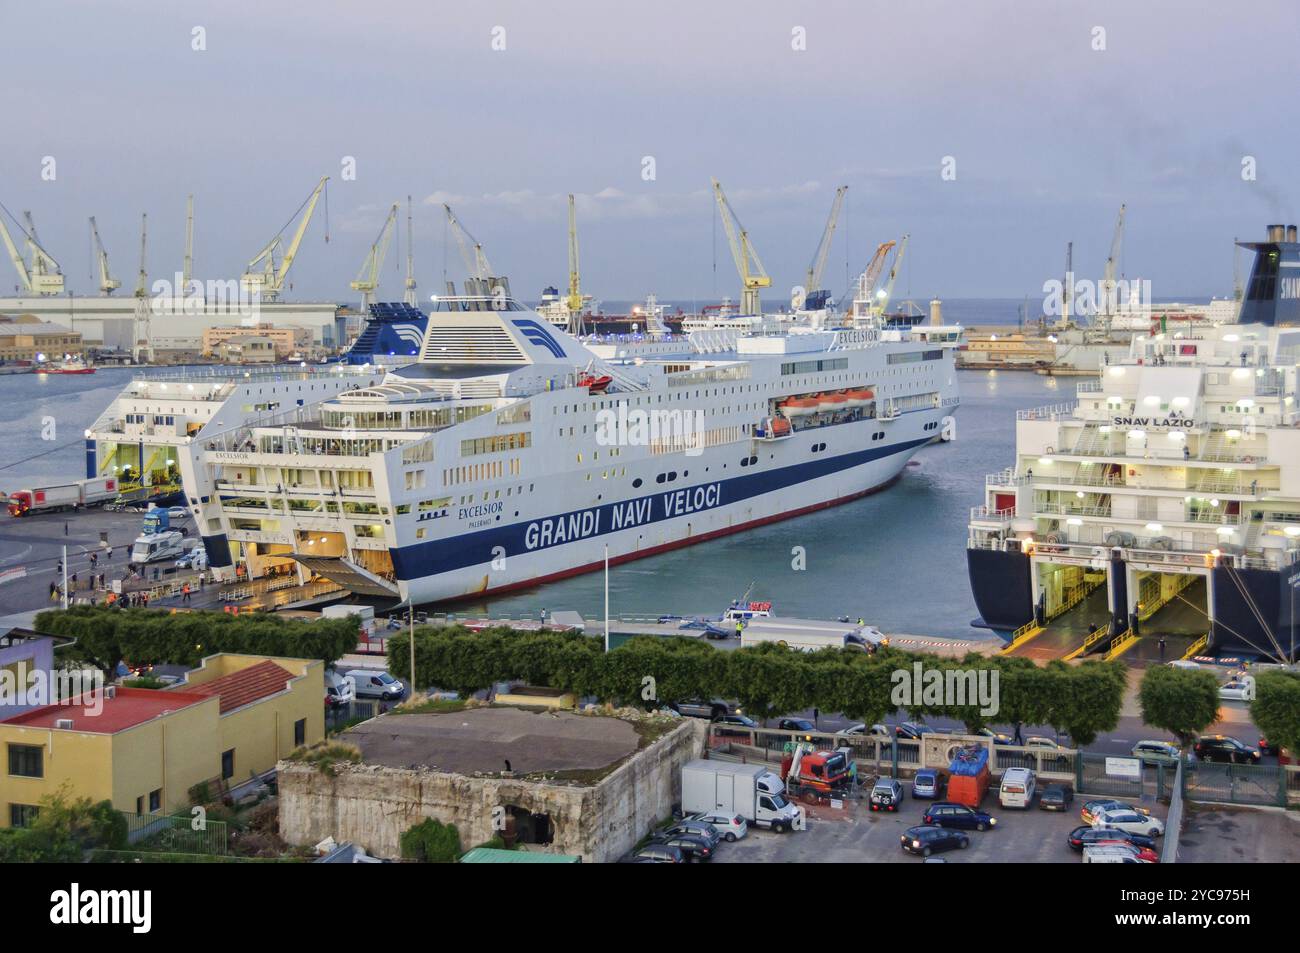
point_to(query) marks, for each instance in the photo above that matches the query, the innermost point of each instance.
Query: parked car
(886, 795)
(732, 827)
(697, 828)
(926, 840)
(370, 683)
(1224, 748)
(927, 784)
(959, 816)
(177, 513)
(1094, 807)
(695, 847)
(1081, 837)
(870, 731)
(1111, 854)
(339, 691)
(1123, 819)
(659, 854)
(1017, 788)
(1038, 741)
(912, 730)
(712, 708)
(1055, 797)
(1157, 752)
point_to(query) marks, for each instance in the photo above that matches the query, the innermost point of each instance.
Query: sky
(1046, 116)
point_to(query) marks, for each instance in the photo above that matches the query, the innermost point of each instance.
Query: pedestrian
(144, 600)
(65, 527)
(58, 567)
(72, 582)
(94, 560)
(816, 716)
(109, 554)
(1162, 648)
(53, 585)
(740, 625)
(185, 593)
(1019, 738)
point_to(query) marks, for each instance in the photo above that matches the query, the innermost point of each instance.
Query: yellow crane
(575, 283)
(814, 296)
(20, 265)
(368, 278)
(753, 275)
(264, 275)
(43, 276)
(887, 292)
(107, 283)
(870, 276)
(1108, 282)
(142, 276)
(187, 274)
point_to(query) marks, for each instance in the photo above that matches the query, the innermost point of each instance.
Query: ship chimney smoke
(1277, 233)
(1290, 233)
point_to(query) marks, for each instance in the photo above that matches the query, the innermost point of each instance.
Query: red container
(968, 789)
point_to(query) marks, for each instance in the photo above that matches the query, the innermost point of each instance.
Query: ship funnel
(1277, 233)
(1273, 289)
(1290, 233)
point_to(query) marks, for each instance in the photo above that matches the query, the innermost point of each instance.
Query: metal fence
(1260, 784)
(1174, 822)
(176, 833)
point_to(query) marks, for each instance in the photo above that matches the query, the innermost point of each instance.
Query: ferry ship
(1172, 480)
(508, 453)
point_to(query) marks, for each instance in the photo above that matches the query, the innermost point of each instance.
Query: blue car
(958, 816)
(928, 784)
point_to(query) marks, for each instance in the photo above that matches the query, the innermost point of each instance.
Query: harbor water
(896, 558)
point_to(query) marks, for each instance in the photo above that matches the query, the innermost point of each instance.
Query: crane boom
(1108, 282)
(753, 275)
(45, 274)
(471, 250)
(269, 280)
(368, 278)
(24, 278)
(575, 281)
(871, 275)
(887, 291)
(818, 264)
(142, 277)
(188, 273)
(410, 297)
(107, 283)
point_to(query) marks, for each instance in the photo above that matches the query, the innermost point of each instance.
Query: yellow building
(232, 718)
(27, 338)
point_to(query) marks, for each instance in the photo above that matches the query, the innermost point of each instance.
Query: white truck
(153, 547)
(754, 792)
(62, 496)
(809, 635)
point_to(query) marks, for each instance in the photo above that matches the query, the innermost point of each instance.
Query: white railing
(986, 513)
(1048, 412)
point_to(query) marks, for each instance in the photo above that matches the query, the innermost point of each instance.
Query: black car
(1223, 748)
(912, 730)
(949, 814)
(795, 724)
(1055, 797)
(931, 840)
(694, 846)
(1081, 837)
(999, 739)
(737, 726)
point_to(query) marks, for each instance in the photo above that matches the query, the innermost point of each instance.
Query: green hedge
(151, 636)
(1083, 700)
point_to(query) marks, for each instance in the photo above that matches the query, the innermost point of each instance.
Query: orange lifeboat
(860, 398)
(800, 406)
(780, 426)
(833, 402)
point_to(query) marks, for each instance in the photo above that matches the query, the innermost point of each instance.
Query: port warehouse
(231, 719)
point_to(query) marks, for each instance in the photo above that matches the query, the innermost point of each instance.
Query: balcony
(991, 517)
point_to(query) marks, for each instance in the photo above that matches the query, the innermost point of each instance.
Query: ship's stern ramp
(348, 575)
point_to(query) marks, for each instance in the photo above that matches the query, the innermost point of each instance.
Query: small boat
(595, 384)
(69, 365)
(860, 398)
(800, 406)
(830, 403)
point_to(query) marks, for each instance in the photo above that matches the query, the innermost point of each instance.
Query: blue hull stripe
(421, 560)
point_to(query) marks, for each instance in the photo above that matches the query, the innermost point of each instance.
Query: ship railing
(1048, 412)
(1089, 387)
(988, 514)
(1212, 516)
(1070, 509)
(1007, 477)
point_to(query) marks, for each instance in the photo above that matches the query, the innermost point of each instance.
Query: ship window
(660, 477)
(637, 482)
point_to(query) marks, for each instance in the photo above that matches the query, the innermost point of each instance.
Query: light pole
(607, 597)
(411, 616)
(65, 575)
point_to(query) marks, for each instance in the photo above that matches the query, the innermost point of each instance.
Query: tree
(63, 830)
(1276, 708)
(431, 842)
(1182, 701)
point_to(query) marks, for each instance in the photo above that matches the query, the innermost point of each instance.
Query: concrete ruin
(598, 813)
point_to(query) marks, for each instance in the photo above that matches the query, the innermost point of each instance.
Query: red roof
(245, 686)
(103, 715)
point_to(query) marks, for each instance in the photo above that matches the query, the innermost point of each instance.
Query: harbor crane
(871, 276)
(815, 297)
(410, 297)
(43, 276)
(368, 278)
(107, 283)
(264, 275)
(575, 281)
(1108, 279)
(142, 276)
(753, 275)
(187, 273)
(887, 292)
(481, 282)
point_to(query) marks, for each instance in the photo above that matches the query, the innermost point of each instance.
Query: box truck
(750, 790)
(62, 496)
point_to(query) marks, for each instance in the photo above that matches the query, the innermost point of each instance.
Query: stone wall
(372, 806)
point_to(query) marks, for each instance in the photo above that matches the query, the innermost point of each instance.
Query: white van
(371, 683)
(1017, 788)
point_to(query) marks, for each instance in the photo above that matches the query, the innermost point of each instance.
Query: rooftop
(102, 715)
(245, 686)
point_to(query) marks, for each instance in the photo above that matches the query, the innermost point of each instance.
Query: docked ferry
(1171, 484)
(507, 453)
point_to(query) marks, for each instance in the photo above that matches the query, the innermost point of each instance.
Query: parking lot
(857, 835)
(1242, 835)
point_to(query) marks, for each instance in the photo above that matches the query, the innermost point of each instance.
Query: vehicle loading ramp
(348, 575)
(1066, 632)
